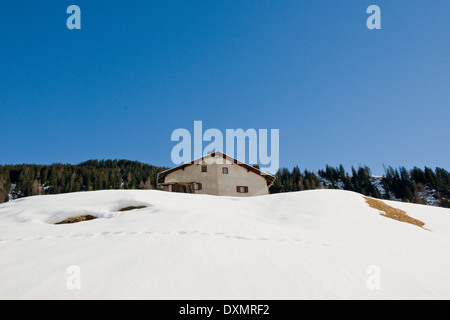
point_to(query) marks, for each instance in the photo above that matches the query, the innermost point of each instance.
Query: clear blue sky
(137, 70)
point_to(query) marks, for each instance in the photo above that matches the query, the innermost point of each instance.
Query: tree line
(27, 180)
(425, 186)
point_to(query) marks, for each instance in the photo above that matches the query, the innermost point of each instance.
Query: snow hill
(319, 244)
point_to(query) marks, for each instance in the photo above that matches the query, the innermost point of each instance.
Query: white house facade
(216, 174)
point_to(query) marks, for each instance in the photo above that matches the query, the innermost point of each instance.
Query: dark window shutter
(241, 189)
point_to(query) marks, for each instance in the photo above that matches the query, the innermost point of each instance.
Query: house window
(225, 170)
(242, 189)
(198, 186)
(204, 169)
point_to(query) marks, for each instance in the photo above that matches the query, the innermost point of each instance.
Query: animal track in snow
(163, 233)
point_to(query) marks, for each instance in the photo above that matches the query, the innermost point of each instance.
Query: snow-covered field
(320, 244)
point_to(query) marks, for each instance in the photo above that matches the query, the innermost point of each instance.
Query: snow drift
(319, 244)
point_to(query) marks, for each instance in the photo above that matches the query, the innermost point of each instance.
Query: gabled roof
(269, 178)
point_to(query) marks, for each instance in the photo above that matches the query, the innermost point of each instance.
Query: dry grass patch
(77, 219)
(132, 208)
(393, 213)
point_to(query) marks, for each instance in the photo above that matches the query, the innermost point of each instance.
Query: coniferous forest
(28, 180)
(431, 187)
(424, 186)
